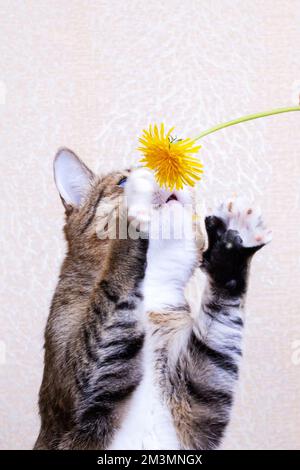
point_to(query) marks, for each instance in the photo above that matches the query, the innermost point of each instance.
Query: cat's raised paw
(235, 232)
(139, 192)
(237, 215)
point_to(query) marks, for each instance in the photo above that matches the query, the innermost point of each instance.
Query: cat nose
(172, 197)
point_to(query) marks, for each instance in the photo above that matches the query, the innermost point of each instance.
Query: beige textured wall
(90, 75)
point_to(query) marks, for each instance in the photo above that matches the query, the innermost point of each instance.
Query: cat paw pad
(238, 216)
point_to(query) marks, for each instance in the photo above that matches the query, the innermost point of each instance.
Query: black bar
(135, 459)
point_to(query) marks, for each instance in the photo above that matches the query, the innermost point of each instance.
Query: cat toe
(239, 216)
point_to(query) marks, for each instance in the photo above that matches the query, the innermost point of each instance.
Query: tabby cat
(128, 365)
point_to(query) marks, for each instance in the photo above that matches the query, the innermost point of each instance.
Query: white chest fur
(148, 422)
(171, 258)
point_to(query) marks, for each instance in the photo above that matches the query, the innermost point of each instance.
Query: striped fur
(126, 363)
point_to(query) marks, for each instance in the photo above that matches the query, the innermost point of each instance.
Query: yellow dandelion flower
(171, 159)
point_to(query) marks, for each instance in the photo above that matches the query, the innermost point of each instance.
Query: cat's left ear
(72, 178)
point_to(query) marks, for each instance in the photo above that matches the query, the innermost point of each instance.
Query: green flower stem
(248, 117)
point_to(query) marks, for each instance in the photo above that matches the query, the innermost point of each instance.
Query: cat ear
(72, 177)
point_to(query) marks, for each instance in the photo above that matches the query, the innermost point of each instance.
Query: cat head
(94, 204)
(87, 198)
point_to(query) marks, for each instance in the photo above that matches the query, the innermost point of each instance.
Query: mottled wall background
(90, 75)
